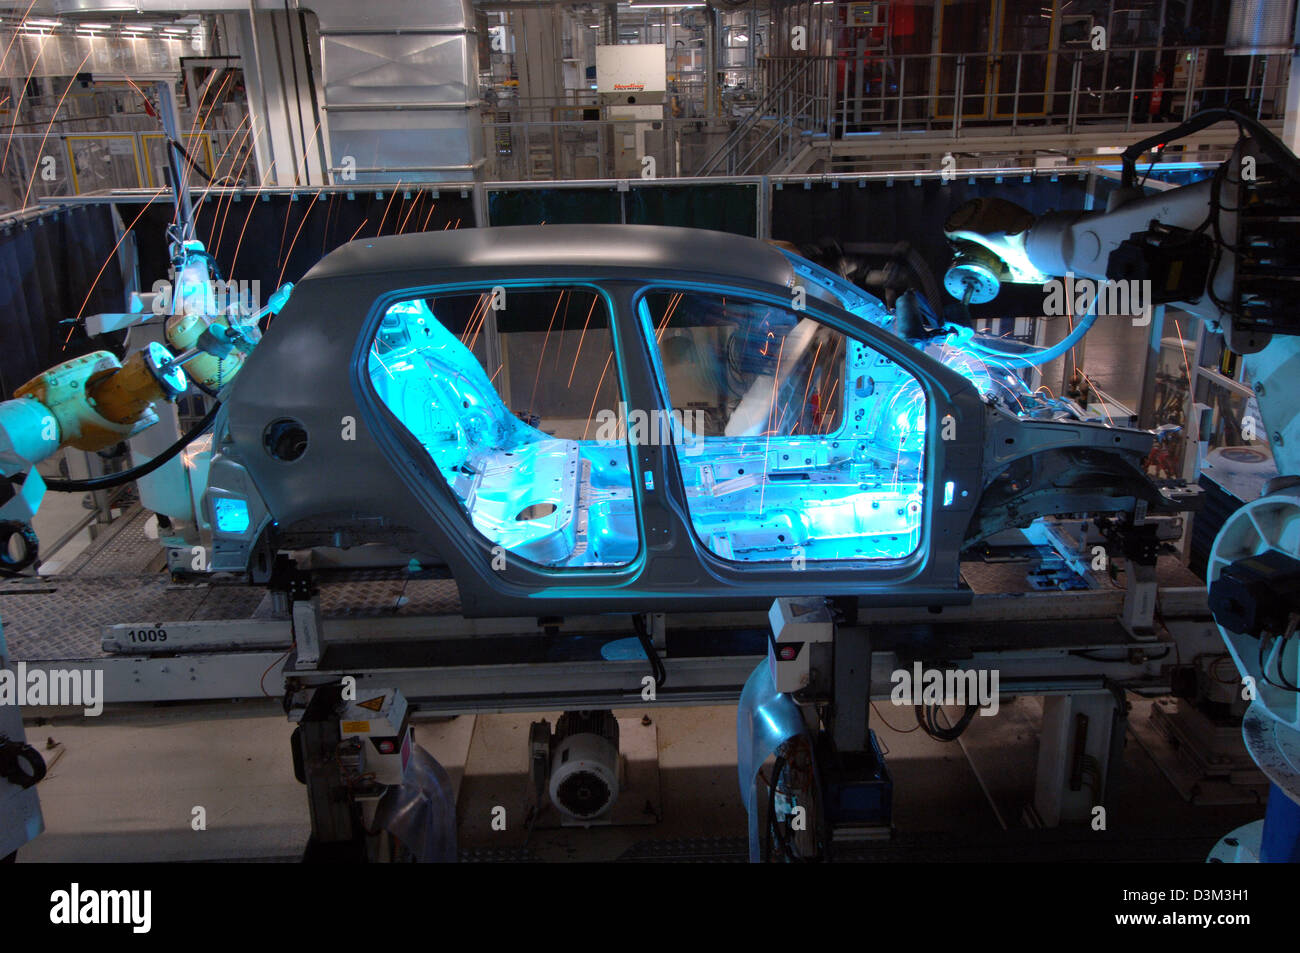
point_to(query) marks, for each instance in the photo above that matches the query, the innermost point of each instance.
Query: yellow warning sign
(355, 727)
(373, 705)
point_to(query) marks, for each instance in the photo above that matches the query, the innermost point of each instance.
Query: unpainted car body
(360, 418)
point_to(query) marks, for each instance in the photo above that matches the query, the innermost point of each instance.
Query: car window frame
(855, 329)
(442, 494)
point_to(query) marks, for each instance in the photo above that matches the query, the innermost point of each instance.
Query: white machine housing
(797, 625)
(382, 723)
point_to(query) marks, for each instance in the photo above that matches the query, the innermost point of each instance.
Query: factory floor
(125, 787)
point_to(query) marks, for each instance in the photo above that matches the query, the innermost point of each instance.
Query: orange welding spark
(1186, 366)
(827, 414)
(252, 149)
(559, 348)
(330, 219)
(190, 161)
(218, 215)
(132, 84)
(457, 228)
(387, 205)
(1097, 391)
(230, 199)
(424, 226)
(476, 319)
(358, 231)
(473, 316)
(200, 121)
(305, 215)
(50, 125)
(21, 22)
(487, 299)
(302, 166)
(776, 385)
(546, 339)
(581, 338)
(495, 373)
(1018, 402)
(125, 232)
(419, 194)
(596, 396)
(668, 314)
(284, 232)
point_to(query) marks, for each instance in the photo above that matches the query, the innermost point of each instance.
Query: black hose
(144, 469)
(657, 671)
(194, 163)
(777, 767)
(1269, 143)
(926, 717)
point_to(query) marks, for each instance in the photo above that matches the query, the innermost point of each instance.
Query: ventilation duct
(399, 79)
(1260, 26)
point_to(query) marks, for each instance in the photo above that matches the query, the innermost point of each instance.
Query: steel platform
(158, 639)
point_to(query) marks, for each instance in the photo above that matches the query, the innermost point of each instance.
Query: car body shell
(364, 479)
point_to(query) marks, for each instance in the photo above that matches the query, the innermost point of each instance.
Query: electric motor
(584, 764)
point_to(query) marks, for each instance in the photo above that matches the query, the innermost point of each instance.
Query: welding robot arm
(1223, 250)
(90, 402)
(94, 401)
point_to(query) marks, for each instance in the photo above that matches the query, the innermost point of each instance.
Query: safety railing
(1065, 89)
(788, 107)
(589, 148)
(970, 95)
(36, 165)
(802, 99)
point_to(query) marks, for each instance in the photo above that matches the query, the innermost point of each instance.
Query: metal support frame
(1082, 733)
(335, 821)
(851, 706)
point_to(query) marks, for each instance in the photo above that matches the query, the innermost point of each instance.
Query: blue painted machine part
(1281, 841)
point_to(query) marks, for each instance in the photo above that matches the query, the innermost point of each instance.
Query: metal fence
(1066, 89)
(803, 99)
(56, 163)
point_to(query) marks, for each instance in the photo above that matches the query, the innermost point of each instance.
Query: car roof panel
(644, 250)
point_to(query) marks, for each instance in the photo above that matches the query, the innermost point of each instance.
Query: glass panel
(796, 442)
(517, 442)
